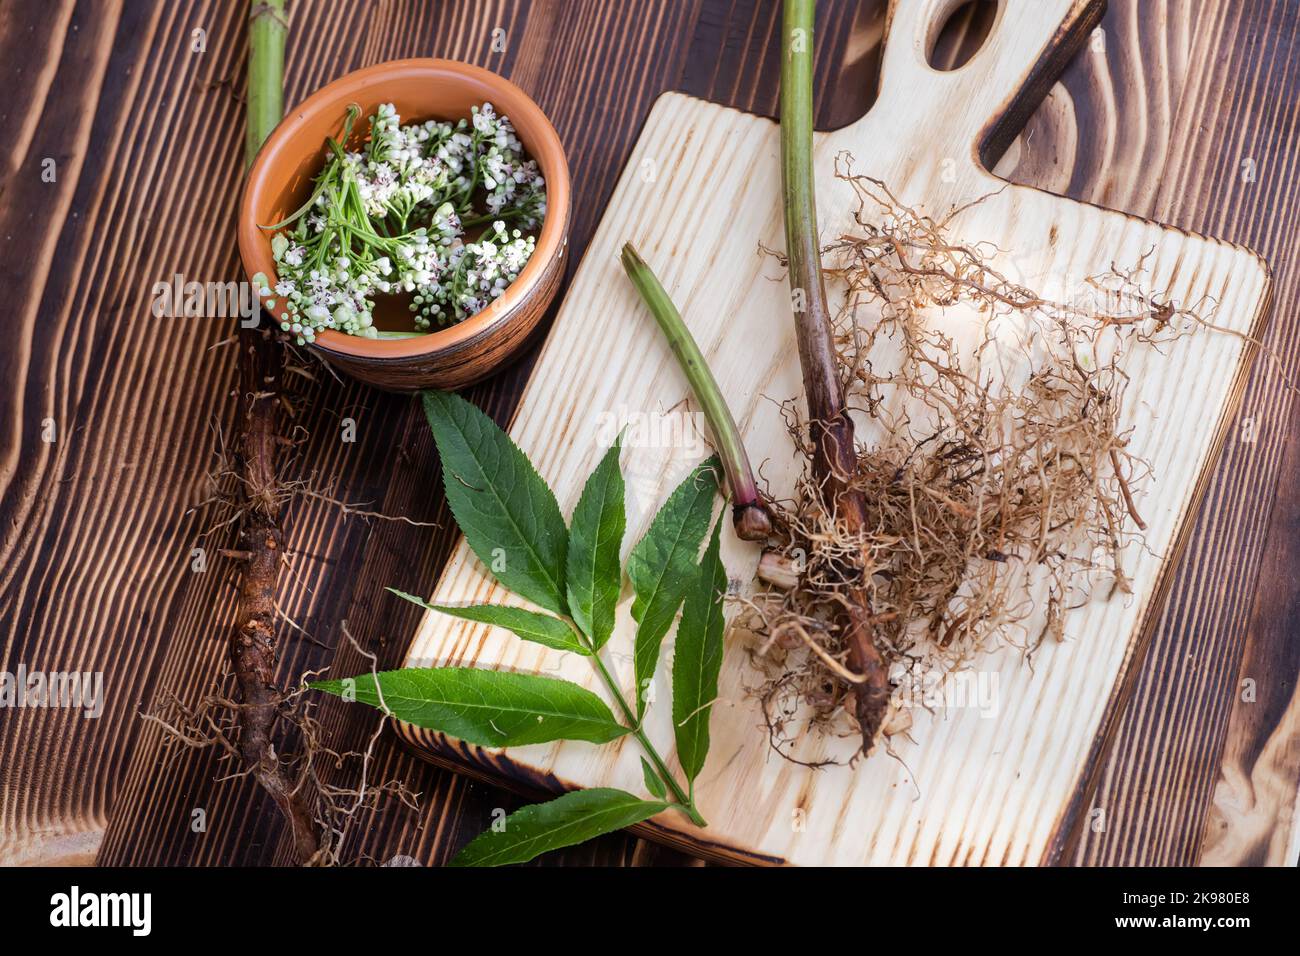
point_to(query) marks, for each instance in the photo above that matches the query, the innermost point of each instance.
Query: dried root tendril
(993, 459)
(306, 764)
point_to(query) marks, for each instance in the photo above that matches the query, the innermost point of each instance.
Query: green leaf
(507, 513)
(564, 821)
(698, 658)
(662, 566)
(594, 576)
(488, 708)
(653, 782)
(530, 625)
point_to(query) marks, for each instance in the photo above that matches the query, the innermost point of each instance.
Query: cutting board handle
(975, 110)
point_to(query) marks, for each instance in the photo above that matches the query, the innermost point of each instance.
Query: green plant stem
(267, 29)
(749, 515)
(684, 802)
(831, 429)
(505, 216)
(817, 356)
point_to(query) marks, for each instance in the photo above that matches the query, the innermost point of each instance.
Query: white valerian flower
(422, 209)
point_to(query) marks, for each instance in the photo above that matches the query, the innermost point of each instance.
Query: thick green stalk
(834, 454)
(267, 29)
(749, 514)
(817, 356)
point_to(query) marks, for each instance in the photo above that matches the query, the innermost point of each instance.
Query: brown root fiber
(323, 813)
(252, 643)
(267, 730)
(991, 466)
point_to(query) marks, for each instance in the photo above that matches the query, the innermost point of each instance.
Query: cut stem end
(750, 516)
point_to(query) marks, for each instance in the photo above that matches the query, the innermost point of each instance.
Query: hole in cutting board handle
(961, 34)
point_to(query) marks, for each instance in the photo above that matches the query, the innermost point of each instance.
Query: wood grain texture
(1177, 96)
(697, 165)
(94, 530)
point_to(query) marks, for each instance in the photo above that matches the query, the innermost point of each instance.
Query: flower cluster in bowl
(440, 210)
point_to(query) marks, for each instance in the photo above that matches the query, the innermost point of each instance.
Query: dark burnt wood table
(122, 168)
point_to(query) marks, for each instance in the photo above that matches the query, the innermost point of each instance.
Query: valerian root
(295, 741)
(989, 488)
(251, 492)
(831, 429)
(252, 643)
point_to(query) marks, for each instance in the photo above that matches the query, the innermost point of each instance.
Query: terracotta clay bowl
(421, 89)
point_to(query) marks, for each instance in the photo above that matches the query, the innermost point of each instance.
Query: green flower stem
(685, 803)
(267, 27)
(832, 428)
(505, 215)
(835, 458)
(749, 514)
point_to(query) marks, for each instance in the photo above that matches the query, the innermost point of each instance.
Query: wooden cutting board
(1001, 782)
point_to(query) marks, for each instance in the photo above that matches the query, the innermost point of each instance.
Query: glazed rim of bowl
(530, 124)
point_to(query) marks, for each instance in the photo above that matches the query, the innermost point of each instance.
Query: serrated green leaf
(565, 821)
(593, 575)
(653, 782)
(530, 625)
(697, 658)
(488, 708)
(662, 566)
(508, 514)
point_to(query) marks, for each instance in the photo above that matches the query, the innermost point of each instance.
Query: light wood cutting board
(997, 783)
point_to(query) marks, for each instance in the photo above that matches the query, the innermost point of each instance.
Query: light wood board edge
(496, 768)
